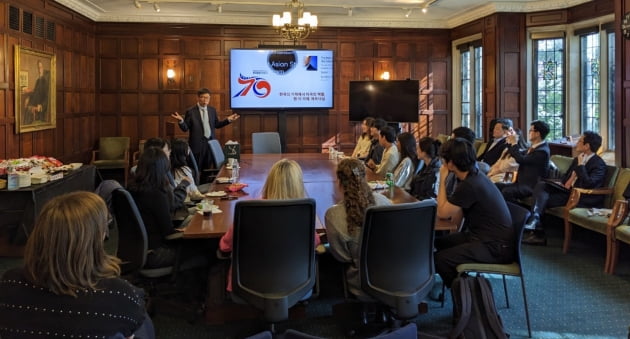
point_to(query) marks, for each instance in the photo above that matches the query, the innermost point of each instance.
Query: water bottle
(389, 181)
(13, 179)
(235, 170)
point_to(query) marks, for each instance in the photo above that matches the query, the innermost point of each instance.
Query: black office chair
(396, 265)
(192, 163)
(273, 254)
(218, 158)
(132, 238)
(266, 142)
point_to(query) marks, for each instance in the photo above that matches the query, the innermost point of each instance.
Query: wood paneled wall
(622, 90)
(74, 47)
(111, 77)
(136, 99)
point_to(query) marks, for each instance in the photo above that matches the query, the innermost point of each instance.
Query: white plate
(223, 180)
(376, 185)
(216, 194)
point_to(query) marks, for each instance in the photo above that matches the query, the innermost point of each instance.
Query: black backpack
(474, 313)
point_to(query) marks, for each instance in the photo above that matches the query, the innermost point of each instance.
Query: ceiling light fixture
(156, 7)
(408, 12)
(137, 4)
(306, 23)
(220, 8)
(350, 11)
(425, 8)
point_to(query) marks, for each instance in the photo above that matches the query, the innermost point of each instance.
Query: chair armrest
(619, 214)
(94, 153)
(173, 236)
(576, 193)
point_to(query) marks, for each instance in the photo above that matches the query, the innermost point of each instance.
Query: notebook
(556, 183)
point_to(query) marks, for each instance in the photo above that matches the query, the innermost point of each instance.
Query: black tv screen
(264, 79)
(391, 100)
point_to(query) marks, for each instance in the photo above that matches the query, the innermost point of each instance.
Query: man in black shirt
(488, 236)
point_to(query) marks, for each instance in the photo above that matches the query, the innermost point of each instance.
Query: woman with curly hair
(409, 161)
(345, 219)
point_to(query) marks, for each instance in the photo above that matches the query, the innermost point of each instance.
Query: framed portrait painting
(35, 94)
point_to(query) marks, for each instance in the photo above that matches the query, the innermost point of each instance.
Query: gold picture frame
(35, 92)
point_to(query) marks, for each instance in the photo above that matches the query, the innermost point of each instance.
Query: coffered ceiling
(331, 13)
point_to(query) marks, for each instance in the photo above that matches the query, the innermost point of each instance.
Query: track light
(156, 7)
(137, 4)
(408, 12)
(424, 10)
(350, 11)
(220, 8)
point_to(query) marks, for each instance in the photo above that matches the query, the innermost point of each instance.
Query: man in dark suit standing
(494, 151)
(201, 120)
(533, 163)
(587, 170)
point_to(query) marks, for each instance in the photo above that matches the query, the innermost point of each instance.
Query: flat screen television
(279, 79)
(391, 100)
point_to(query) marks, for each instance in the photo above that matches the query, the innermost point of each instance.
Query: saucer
(216, 194)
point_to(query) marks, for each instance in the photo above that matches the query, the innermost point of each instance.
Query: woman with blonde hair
(345, 219)
(284, 181)
(69, 286)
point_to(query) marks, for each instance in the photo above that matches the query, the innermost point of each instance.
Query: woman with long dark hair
(180, 152)
(362, 149)
(345, 219)
(403, 174)
(153, 193)
(425, 183)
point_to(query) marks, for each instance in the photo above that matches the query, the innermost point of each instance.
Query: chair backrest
(217, 153)
(480, 147)
(113, 148)
(273, 254)
(192, 163)
(266, 142)
(443, 137)
(609, 181)
(519, 219)
(622, 181)
(396, 263)
(132, 236)
(561, 164)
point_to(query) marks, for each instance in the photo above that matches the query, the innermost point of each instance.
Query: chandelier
(306, 23)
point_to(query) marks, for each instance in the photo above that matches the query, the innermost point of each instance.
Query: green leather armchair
(112, 153)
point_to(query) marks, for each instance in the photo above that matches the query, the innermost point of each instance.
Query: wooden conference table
(320, 181)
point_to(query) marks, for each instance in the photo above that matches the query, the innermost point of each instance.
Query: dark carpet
(569, 297)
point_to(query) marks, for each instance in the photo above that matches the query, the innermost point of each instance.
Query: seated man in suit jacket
(587, 170)
(533, 163)
(494, 150)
